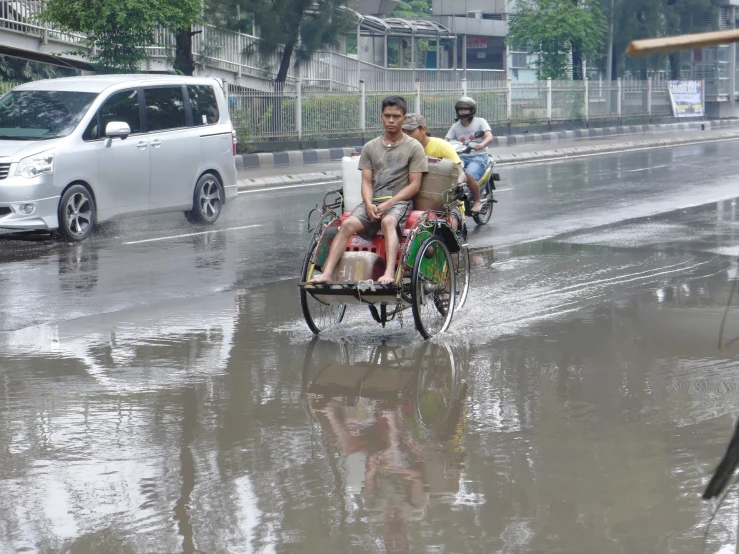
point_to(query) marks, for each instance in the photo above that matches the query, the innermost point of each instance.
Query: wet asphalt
(160, 392)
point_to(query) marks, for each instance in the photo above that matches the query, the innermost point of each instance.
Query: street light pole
(609, 63)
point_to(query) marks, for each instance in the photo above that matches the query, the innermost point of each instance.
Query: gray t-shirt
(391, 166)
(465, 134)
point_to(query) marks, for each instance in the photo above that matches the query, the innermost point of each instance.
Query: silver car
(83, 150)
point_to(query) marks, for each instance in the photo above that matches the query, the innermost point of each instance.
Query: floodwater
(593, 431)
(578, 403)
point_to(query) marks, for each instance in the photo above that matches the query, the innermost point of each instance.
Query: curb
(600, 132)
(502, 160)
(306, 157)
(286, 180)
(530, 157)
(292, 157)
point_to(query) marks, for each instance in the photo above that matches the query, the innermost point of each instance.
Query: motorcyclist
(467, 124)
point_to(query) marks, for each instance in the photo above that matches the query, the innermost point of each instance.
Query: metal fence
(325, 71)
(296, 112)
(238, 54)
(24, 16)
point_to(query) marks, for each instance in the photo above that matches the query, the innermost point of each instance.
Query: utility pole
(609, 63)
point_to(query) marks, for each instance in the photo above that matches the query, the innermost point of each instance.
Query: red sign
(477, 42)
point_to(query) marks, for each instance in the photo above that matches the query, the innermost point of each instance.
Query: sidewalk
(529, 151)
(304, 157)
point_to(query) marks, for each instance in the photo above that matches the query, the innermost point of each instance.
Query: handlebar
(469, 143)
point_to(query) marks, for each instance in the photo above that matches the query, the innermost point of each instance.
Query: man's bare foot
(476, 207)
(322, 278)
(386, 279)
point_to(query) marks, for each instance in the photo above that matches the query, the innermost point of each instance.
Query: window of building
(518, 60)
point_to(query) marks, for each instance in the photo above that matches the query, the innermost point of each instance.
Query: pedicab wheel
(432, 279)
(318, 316)
(484, 215)
(462, 269)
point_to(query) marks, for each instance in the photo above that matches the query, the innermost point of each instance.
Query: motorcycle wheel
(486, 212)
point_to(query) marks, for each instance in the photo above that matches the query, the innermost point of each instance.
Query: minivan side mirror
(117, 129)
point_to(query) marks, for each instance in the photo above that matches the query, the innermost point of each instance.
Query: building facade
(481, 27)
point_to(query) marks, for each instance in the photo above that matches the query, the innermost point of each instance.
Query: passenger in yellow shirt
(415, 126)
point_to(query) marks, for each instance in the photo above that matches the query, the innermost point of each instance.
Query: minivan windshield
(42, 114)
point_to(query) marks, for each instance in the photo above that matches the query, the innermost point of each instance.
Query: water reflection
(78, 268)
(210, 250)
(396, 417)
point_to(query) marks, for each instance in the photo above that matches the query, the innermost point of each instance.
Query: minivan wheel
(207, 202)
(76, 214)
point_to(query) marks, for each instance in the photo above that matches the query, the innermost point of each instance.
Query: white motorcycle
(486, 183)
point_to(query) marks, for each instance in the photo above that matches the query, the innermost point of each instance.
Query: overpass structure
(234, 58)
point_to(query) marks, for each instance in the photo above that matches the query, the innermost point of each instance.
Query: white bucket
(352, 179)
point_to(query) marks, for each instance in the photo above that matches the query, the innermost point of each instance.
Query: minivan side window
(204, 105)
(121, 106)
(165, 108)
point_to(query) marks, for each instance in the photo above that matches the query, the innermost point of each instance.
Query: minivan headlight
(33, 166)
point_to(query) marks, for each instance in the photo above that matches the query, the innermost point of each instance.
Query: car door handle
(157, 143)
(142, 145)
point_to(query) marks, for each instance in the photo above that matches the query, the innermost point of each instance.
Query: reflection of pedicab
(432, 260)
(427, 379)
(348, 390)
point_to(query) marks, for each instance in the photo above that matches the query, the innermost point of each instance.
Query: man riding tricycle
(393, 240)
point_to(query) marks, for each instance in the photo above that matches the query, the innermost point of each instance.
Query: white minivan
(83, 150)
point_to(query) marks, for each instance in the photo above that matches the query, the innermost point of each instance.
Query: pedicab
(432, 260)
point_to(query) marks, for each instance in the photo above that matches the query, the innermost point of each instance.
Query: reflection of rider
(393, 476)
(464, 130)
(399, 426)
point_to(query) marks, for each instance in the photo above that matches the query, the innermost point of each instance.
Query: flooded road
(166, 396)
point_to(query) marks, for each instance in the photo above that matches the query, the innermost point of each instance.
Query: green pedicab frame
(431, 237)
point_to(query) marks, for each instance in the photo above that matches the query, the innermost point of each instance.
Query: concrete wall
(457, 7)
(722, 110)
(470, 26)
(374, 7)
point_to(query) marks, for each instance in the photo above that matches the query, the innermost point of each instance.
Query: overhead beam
(695, 41)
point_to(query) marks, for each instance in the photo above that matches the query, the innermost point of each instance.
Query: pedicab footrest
(349, 287)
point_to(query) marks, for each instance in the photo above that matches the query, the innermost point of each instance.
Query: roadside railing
(238, 54)
(296, 112)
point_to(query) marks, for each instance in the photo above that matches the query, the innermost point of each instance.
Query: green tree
(289, 29)
(689, 16)
(229, 14)
(20, 70)
(411, 9)
(120, 29)
(554, 29)
(637, 19)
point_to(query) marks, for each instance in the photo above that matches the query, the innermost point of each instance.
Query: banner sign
(477, 42)
(686, 98)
